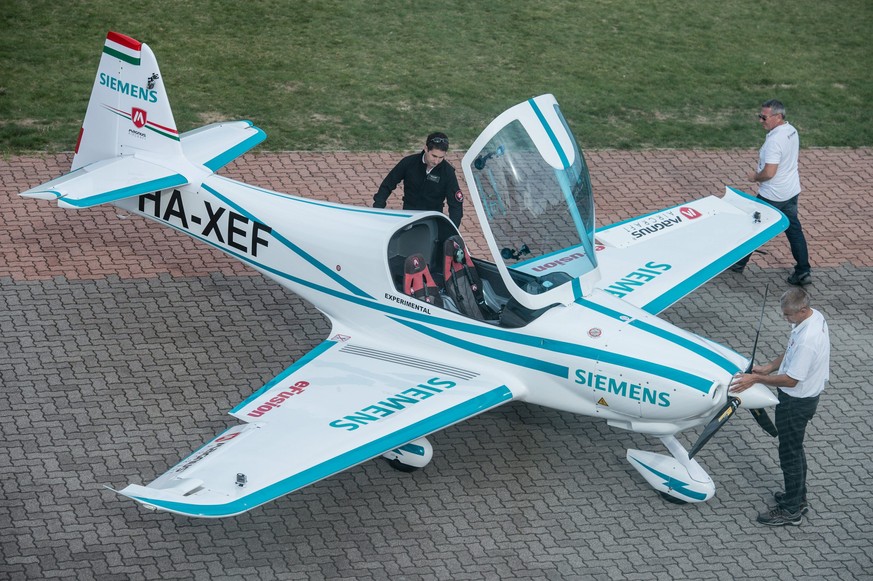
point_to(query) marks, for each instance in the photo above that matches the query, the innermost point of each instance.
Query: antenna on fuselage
(758, 331)
(760, 415)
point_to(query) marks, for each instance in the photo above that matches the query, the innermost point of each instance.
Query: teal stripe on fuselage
(695, 382)
(332, 206)
(482, 330)
(702, 350)
(403, 436)
(490, 352)
(287, 243)
(278, 273)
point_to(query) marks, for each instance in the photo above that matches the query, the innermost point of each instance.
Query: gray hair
(776, 107)
(794, 299)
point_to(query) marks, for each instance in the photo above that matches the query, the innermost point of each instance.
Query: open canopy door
(530, 186)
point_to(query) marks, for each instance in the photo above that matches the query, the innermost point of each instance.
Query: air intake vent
(410, 362)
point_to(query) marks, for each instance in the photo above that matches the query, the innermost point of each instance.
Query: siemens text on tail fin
(129, 145)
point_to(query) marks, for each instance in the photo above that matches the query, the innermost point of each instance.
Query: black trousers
(792, 416)
(794, 233)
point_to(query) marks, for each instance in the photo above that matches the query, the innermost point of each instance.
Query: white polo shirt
(781, 146)
(808, 357)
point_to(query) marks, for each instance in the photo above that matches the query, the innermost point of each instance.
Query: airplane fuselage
(597, 356)
(550, 314)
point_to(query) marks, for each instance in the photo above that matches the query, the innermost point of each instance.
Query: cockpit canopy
(530, 185)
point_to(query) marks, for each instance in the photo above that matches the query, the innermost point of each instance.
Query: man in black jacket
(428, 181)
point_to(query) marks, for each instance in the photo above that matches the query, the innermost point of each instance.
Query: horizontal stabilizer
(216, 145)
(107, 181)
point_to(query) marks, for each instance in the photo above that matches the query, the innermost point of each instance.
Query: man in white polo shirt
(801, 374)
(780, 184)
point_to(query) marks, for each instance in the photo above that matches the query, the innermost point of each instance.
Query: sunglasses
(438, 140)
(765, 117)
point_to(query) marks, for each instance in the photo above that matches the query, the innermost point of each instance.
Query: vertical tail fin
(129, 111)
(129, 145)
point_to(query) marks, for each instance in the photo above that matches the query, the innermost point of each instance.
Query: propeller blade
(715, 424)
(764, 421)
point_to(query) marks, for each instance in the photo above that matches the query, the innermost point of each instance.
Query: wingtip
(41, 194)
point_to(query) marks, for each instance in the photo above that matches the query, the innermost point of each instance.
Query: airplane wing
(116, 178)
(655, 260)
(342, 404)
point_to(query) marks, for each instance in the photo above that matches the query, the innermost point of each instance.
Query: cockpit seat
(418, 282)
(462, 283)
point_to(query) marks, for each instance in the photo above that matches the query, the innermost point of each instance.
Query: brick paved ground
(123, 345)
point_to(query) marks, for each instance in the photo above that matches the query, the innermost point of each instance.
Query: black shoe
(737, 268)
(800, 279)
(804, 506)
(779, 517)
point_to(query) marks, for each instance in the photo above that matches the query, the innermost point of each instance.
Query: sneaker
(779, 517)
(804, 506)
(737, 268)
(800, 279)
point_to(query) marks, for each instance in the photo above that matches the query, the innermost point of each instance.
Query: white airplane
(424, 335)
